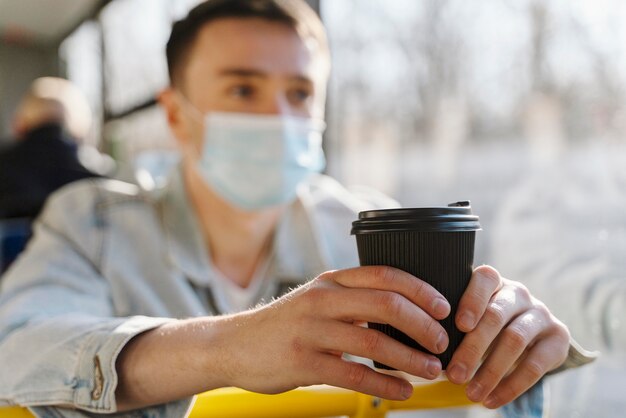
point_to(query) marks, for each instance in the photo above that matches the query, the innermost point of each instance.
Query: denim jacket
(108, 262)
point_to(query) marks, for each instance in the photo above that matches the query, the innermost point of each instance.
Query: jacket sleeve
(59, 337)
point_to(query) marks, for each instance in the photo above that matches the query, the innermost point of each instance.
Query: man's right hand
(297, 340)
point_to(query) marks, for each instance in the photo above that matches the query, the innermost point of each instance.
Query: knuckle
(356, 374)
(390, 387)
(509, 392)
(542, 310)
(390, 277)
(489, 275)
(413, 359)
(391, 304)
(557, 327)
(534, 370)
(419, 288)
(521, 292)
(495, 316)
(318, 298)
(515, 338)
(431, 329)
(372, 341)
(327, 276)
(315, 295)
(490, 375)
(472, 351)
(386, 275)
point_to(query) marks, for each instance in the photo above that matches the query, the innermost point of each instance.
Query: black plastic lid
(454, 217)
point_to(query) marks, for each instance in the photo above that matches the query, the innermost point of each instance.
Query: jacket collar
(297, 255)
(185, 246)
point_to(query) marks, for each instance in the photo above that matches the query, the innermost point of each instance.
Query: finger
(394, 280)
(484, 283)
(338, 372)
(507, 304)
(375, 345)
(505, 352)
(385, 307)
(540, 359)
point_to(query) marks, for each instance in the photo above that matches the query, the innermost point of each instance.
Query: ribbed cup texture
(442, 259)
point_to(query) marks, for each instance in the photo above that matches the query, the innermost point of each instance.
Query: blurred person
(50, 121)
(127, 301)
(563, 232)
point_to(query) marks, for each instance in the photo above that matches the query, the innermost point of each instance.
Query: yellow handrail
(15, 412)
(310, 402)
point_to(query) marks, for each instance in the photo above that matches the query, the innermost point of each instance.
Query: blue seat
(14, 234)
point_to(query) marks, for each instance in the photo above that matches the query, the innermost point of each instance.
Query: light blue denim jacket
(108, 262)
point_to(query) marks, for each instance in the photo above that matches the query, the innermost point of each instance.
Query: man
(51, 118)
(113, 307)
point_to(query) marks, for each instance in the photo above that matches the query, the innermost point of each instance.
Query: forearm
(171, 362)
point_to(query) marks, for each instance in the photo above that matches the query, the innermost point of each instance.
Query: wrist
(174, 361)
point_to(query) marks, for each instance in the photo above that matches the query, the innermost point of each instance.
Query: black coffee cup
(434, 244)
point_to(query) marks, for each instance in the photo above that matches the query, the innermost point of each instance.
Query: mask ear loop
(198, 115)
(191, 105)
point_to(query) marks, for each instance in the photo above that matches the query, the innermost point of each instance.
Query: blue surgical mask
(258, 161)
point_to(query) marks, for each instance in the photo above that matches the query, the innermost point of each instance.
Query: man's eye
(299, 95)
(242, 91)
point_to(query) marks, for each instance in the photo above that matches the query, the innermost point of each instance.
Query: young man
(115, 304)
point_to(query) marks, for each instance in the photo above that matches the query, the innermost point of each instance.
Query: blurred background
(516, 105)
(430, 101)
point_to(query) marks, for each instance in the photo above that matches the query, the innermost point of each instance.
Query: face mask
(258, 161)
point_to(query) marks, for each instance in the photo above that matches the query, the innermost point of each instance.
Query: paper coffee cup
(434, 244)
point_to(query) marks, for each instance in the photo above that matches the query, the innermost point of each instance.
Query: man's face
(250, 66)
(242, 65)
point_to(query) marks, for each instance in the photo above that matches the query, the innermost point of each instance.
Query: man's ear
(176, 118)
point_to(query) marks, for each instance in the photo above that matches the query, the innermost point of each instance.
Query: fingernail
(492, 401)
(433, 368)
(467, 321)
(442, 342)
(458, 373)
(407, 391)
(475, 391)
(441, 308)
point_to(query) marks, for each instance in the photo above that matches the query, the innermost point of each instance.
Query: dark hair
(294, 13)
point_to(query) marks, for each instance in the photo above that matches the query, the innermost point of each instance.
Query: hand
(299, 339)
(513, 334)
